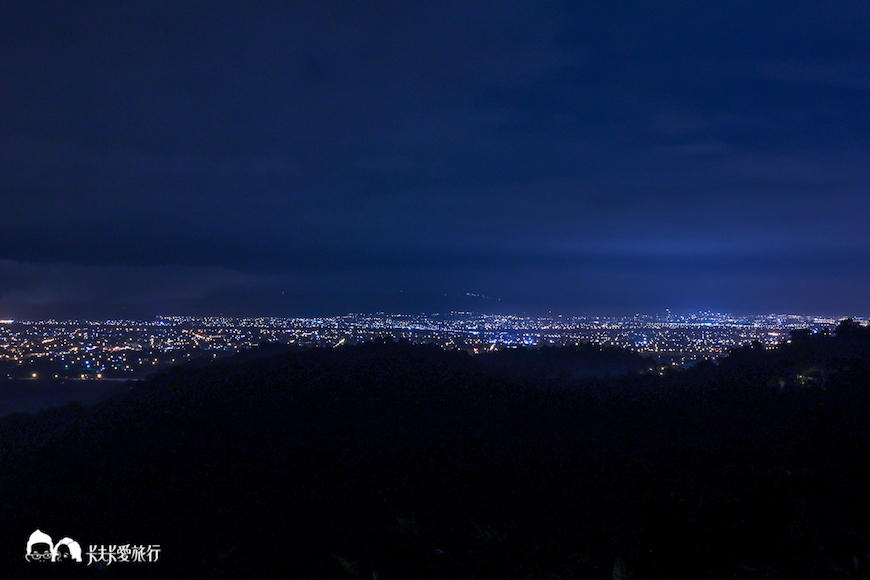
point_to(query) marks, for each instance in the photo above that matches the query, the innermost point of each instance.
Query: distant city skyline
(68, 354)
(97, 349)
(659, 316)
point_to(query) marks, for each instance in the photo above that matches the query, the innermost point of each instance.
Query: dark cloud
(30, 289)
(604, 155)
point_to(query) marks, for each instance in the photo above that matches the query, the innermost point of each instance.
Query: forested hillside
(391, 460)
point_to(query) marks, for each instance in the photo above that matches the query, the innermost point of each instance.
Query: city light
(128, 348)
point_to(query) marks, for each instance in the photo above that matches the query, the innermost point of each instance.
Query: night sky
(318, 158)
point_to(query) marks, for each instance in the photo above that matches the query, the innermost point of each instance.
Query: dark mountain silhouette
(567, 362)
(391, 460)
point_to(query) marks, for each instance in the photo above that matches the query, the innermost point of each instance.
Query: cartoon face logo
(40, 548)
(67, 550)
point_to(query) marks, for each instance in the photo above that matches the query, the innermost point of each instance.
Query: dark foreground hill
(397, 461)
